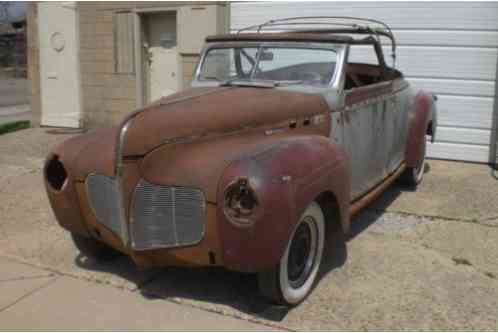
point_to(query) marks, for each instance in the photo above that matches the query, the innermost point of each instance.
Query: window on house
(124, 60)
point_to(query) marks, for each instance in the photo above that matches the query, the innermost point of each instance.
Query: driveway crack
(43, 286)
(439, 217)
(33, 277)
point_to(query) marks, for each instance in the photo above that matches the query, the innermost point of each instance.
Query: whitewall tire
(293, 278)
(412, 176)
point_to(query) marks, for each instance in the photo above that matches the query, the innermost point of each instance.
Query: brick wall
(189, 61)
(106, 96)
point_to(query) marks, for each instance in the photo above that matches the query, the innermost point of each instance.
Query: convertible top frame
(329, 25)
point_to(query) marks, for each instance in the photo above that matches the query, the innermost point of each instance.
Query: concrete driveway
(424, 260)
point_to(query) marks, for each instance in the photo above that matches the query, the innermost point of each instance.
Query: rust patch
(221, 111)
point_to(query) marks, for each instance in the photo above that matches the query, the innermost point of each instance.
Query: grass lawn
(14, 126)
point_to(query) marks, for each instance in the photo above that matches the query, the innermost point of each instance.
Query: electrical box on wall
(195, 23)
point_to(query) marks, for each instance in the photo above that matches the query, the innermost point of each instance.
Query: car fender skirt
(284, 179)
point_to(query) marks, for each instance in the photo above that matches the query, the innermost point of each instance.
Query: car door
(397, 124)
(366, 125)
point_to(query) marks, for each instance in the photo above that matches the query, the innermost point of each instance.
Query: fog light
(55, 173)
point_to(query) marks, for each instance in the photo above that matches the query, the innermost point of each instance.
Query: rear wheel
(412, 176)
(94, 249)
(292, 279)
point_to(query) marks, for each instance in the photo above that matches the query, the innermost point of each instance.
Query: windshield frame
(333, 83)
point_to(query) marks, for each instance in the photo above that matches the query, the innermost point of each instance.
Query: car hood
(186, 116)
(201, 112)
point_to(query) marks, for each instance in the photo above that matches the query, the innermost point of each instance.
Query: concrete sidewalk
(36, 299)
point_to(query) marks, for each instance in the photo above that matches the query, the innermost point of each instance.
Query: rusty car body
(249, 167)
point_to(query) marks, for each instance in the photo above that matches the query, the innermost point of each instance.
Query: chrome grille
(104, 197)
(166, 216)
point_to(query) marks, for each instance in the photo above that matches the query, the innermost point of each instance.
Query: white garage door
(448, 48)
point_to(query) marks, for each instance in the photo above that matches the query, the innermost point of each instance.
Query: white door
(449, 48)
(59, 68)
(162, 55)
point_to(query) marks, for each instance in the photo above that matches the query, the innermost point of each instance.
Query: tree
(5, 12)
(9, 36)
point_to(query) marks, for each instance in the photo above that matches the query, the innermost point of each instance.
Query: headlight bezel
(241, 202)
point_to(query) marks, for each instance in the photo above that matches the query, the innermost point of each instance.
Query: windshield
(310, 66)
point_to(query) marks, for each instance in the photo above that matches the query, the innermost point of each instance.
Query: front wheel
(292, 279)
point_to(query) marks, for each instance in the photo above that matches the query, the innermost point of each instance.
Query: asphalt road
(13, 92)
(417, 260)
(14, 100)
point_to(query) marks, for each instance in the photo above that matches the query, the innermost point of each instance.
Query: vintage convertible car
(282, 137)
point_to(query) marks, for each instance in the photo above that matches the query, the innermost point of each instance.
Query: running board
(376, 192)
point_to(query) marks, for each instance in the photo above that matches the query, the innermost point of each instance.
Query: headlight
(240, 201)
(55, 173)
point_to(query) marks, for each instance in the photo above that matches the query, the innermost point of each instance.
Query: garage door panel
(408, 15)
(469, 112)
(448, 48)
(459, 152)
(454, 87)
(438, 62)
(463, 135)
(445, 38)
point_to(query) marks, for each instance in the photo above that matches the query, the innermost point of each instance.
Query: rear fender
(285, 177)
(423, 121)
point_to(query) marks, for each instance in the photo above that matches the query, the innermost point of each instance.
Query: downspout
(493, 149)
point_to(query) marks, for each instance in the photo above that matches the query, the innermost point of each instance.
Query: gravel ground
(399, 271)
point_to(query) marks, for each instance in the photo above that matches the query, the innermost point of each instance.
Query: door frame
(140, 72)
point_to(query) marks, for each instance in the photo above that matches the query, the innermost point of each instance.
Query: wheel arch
(329, 204)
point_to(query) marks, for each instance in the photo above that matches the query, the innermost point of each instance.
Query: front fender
(286, 177)
(423, 114)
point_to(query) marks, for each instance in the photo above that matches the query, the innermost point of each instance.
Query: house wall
(33, 61)
(106, 95)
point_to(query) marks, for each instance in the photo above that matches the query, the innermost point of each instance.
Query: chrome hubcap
(302, 252)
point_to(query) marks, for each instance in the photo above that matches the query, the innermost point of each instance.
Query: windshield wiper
(249, 83)
(287, 82)
(211, 78)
